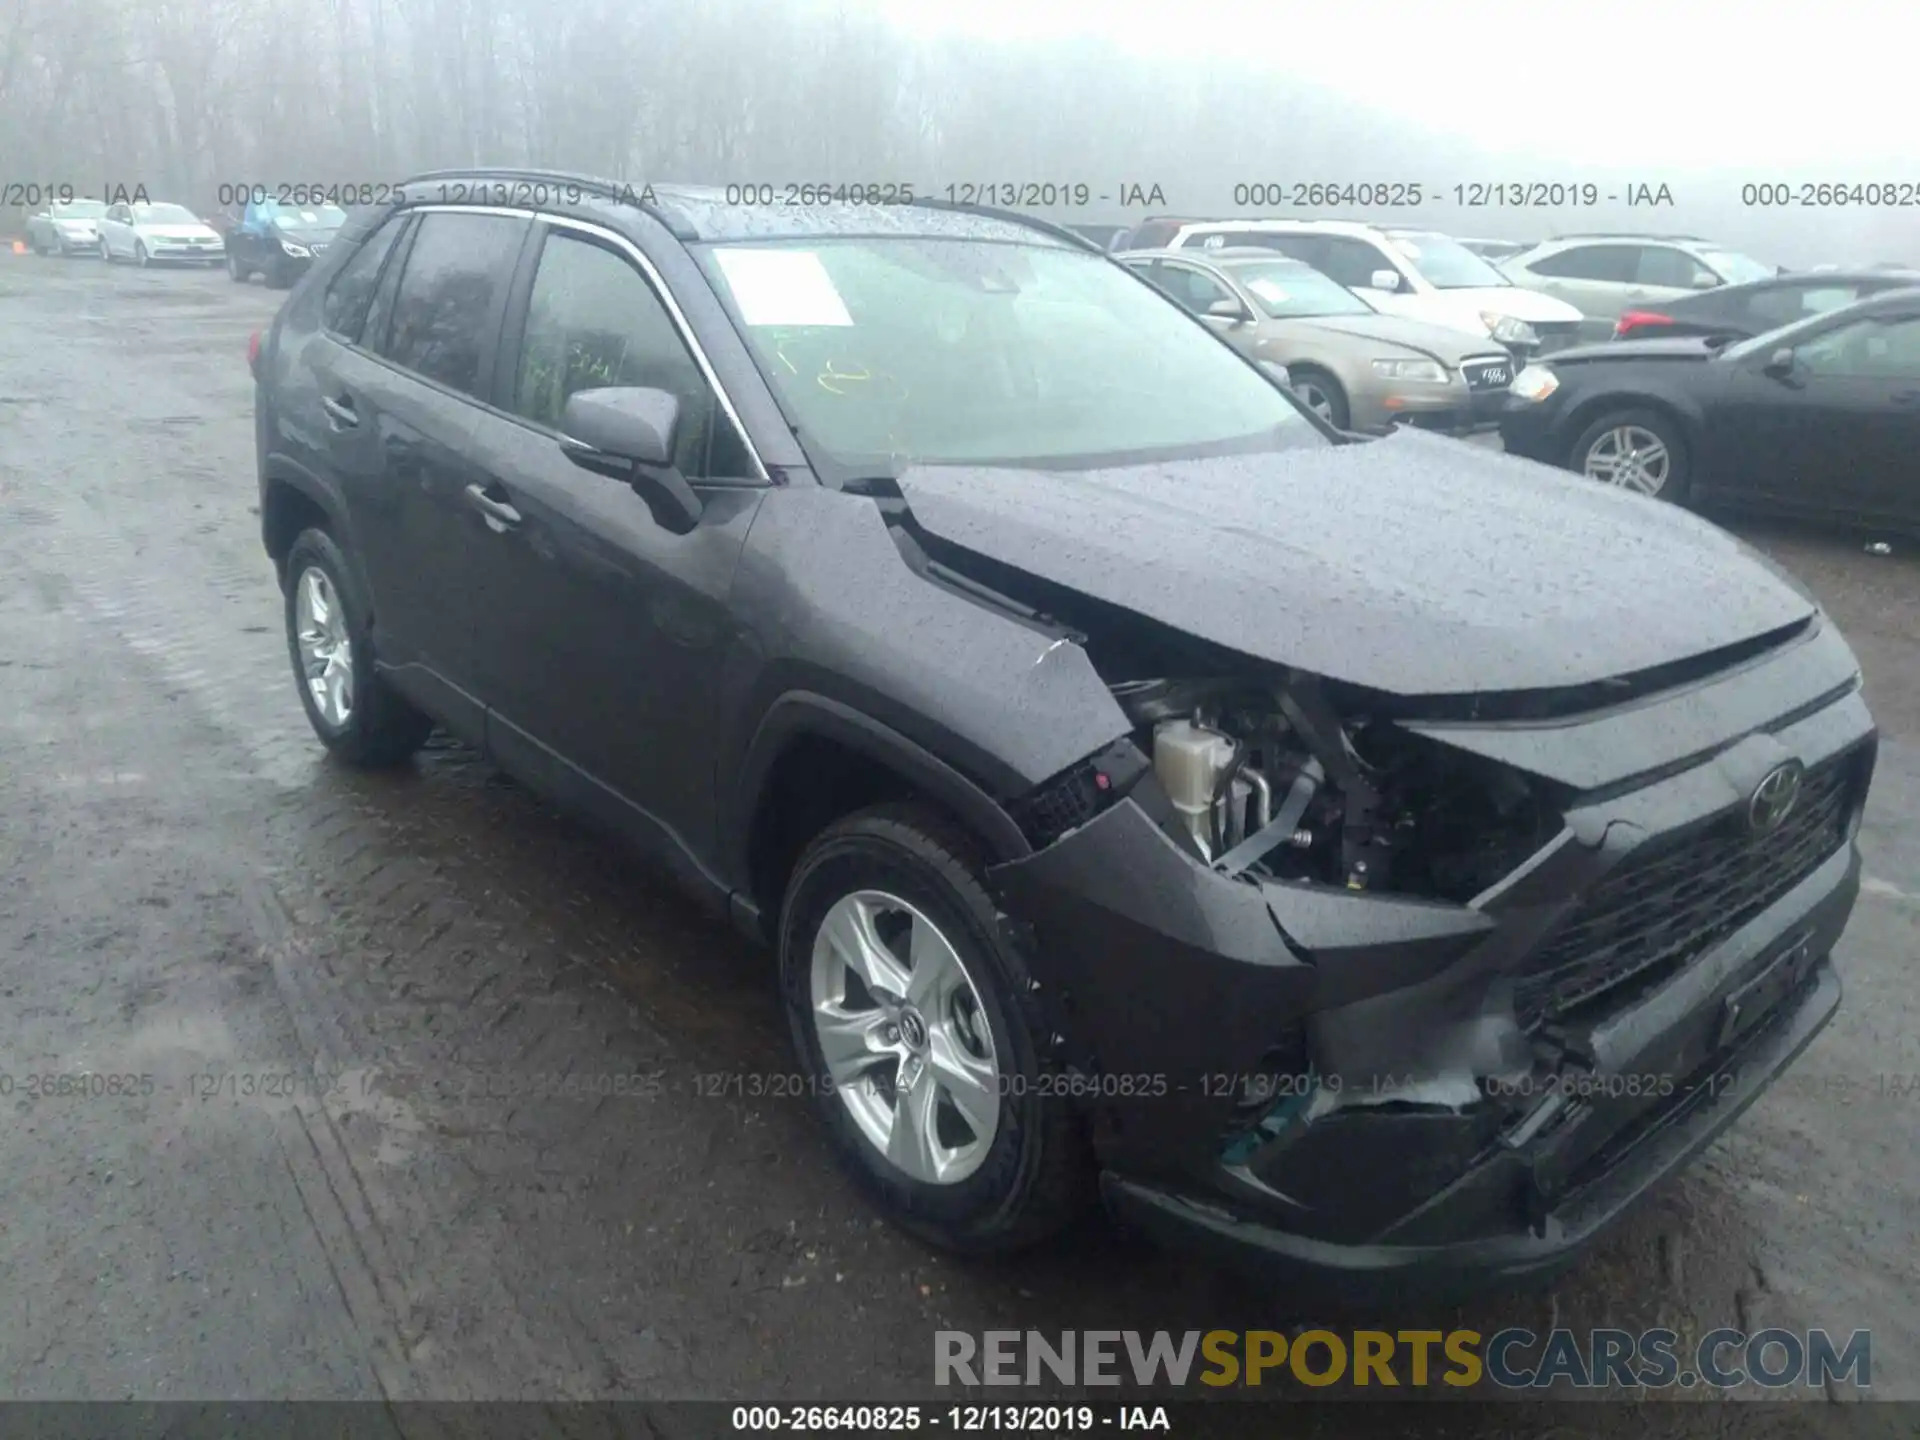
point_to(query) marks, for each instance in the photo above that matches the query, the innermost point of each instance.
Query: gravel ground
(337, 999)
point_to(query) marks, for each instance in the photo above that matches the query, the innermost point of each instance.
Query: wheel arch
(1685, 416)
(292, 499)
(813, 760)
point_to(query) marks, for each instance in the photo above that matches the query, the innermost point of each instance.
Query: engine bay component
(1270, 779)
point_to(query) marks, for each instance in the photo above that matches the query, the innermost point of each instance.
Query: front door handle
(1906, 397)
(340, 412)
(499, 515)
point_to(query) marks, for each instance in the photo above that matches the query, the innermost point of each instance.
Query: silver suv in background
(1605, 275)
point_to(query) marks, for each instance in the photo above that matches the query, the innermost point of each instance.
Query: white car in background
(1420, 274)
(158, 233)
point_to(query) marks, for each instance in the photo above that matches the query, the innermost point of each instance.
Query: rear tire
(377, 728)
(1018, 1168)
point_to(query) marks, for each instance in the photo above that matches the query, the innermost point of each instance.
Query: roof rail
(618, 191)
(1059, 232)
(1627, 235)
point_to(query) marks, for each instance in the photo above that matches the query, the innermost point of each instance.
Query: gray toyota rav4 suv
(1374, 861)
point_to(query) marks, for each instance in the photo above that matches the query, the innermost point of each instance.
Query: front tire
(237, 269)
(912, 1011)
(106, 251)
(140, 256)
(1322, 395)
(1635, 449)
(355, 712)
(278, 276)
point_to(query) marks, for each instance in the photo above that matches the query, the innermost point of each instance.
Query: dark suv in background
(1376, 861)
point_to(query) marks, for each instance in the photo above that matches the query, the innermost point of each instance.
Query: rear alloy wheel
(354, 711)
(1637, 450)
(1322, 395)
(913, 1017)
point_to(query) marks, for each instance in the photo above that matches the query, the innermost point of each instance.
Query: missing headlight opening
(1268, 780)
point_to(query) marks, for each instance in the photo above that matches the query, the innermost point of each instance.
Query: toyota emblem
(1774, 797)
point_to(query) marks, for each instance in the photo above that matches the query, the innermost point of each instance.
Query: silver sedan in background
(1357, 368)
(67, 228)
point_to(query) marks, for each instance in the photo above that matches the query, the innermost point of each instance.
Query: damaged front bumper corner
(1346, 1092)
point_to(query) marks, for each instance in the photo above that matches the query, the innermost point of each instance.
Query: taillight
(1636, 319)
(253, 354)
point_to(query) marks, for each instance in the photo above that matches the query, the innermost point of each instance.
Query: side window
(344, 310)
(1350, 262)
(447, 307)
(1782, 305)
(1675, 269)
(1589, 262)
(592, 321)
(1195, 289)
(1866, 350)
(1306, 248)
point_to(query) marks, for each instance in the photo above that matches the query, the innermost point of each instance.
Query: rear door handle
(1906, 397)
(340, 412)
(499, 515)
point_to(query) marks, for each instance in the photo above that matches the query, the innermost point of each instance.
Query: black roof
(702, 212)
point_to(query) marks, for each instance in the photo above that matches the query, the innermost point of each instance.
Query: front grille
(1555, 334)
(1657, 910)
(1488, 374)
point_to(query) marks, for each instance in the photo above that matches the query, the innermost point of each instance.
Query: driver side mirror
(1702, 280)
(627, 432)
(1780, 365)
(1388, 280)
(1226, 309)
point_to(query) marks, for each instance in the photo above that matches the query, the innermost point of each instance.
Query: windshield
(890, 351)
(1445, 263)
(1295, 291)
(163, 214)
(79, 210)
(1735, 268)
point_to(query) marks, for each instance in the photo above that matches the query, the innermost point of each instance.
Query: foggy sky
(1701, 96)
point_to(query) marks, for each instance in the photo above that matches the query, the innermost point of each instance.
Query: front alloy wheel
(904, 1036)
(919, 1030)
(1631, 457)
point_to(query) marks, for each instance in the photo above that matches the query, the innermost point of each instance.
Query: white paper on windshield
(1268, 291)
(782, 287)
(309, 217)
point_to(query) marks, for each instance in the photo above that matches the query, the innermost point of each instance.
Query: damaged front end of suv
(1367, 988)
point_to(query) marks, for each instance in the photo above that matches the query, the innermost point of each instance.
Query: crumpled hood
(1415, 564)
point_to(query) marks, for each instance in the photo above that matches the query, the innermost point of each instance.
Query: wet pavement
(408, 1087)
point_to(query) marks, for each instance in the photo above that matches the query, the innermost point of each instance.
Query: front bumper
(1417, 1119)
(198, 254)
(1529, 428)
